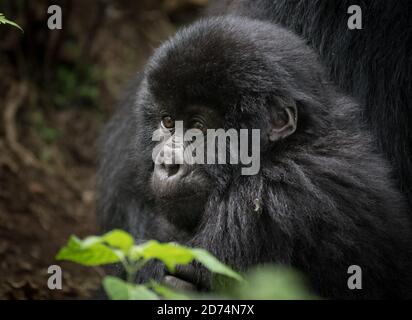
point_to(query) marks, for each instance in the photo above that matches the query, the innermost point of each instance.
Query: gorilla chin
(180, 193)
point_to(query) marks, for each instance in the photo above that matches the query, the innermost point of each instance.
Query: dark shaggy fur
(326, 200)
(373, 64)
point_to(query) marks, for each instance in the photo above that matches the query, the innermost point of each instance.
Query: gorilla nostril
(171, 169)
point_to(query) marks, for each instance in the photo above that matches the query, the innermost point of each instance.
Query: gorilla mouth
(182, 201)
(173, 194)
(184, 185)
(180, 195)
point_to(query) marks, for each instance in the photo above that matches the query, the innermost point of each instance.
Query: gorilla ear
(283, 120)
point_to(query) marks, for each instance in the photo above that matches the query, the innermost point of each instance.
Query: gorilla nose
(164, 171)
(170, 169)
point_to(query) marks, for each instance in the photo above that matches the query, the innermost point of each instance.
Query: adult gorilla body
(325, 197)
(373, 64)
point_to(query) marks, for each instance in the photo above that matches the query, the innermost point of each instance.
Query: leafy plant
(4, 20)
(118, 246)
(267, 282)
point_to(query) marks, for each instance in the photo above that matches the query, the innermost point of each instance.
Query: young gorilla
(323, 199)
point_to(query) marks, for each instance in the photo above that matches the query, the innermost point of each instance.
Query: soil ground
(48, 152)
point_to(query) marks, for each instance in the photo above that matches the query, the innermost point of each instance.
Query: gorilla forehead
(223, 59)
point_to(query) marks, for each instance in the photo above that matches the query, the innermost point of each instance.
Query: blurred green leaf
(214, 265)
(97, 250)
(119, 239)
(168, 293)
(170, 254)
(118, 289)
(272, 283)
(89, 252)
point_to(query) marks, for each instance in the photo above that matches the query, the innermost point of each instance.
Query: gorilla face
(224, 84)
(173, 177)
(181, 188)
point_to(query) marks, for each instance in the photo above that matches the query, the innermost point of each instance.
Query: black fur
(373, 64)
(325, 197)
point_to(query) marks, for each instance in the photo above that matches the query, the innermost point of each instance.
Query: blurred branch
(14, 101)
(17, 95)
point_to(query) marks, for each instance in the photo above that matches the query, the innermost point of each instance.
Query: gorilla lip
(182, 186)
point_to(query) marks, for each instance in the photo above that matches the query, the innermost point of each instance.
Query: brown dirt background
(57, 89)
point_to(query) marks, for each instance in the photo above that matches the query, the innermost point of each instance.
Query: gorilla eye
(198, 124)
(168, 122)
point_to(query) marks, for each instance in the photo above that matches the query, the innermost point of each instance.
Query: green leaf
(88, 253)
(118, 289)
(89, 241)
(119, 239)
(116, 239)
(136, 252)
(167, 293)
(4, 20)
(170, 254)
(95, 250)
(140, 292)
(273, 283)
(214, 265)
